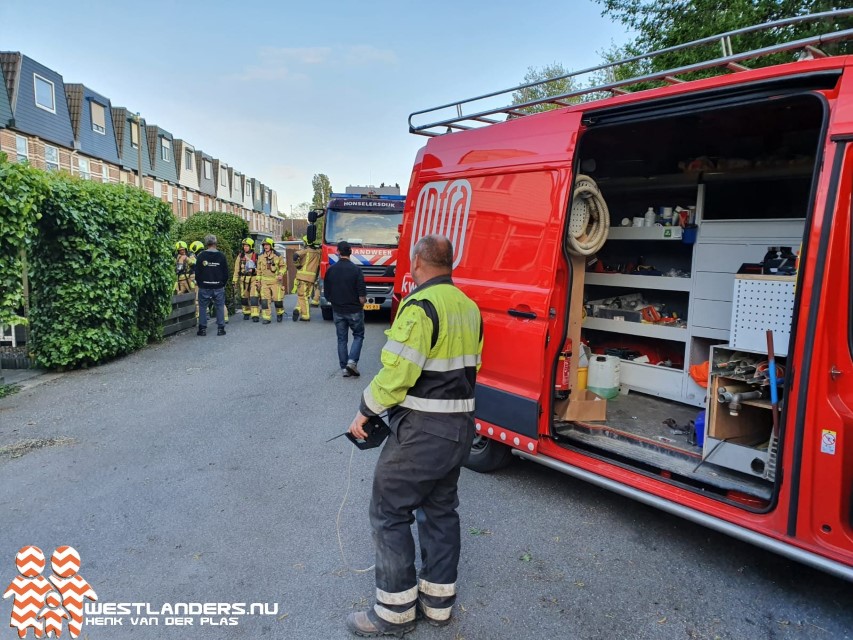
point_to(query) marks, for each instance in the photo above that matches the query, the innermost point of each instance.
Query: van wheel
(327, 313)
(487, 455)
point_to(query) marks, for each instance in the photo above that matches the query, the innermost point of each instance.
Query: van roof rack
(730, 61)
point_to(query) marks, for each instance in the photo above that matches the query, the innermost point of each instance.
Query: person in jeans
(344, 288)
(211, 274)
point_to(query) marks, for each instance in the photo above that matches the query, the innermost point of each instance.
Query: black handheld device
(376, 430)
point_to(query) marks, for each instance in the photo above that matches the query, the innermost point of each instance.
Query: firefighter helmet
(269, 241)
(196, 246)
(180, 244)
(249, 242)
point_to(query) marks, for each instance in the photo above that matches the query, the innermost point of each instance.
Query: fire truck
(369, 219)
(686, 237)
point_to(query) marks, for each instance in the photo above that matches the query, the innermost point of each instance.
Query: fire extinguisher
(564, 365)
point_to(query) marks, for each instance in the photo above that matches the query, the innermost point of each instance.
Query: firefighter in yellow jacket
(183, 268)
(308, 263)
(246, 280)
(271, 272)
(426, 384)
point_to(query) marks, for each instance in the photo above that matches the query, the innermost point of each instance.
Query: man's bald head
(436, 251)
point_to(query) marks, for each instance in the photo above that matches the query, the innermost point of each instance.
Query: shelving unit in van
(724, 241)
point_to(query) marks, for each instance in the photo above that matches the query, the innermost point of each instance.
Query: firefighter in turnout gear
(271, 272)
(308, 262)
(183, 268)
(429, 369)
(196, 247)
(246, 280)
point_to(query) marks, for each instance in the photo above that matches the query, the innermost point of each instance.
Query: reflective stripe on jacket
(431, 358)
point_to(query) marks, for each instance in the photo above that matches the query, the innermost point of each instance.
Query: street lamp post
(139, 148)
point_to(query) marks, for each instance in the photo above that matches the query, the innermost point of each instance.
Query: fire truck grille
(373, 269)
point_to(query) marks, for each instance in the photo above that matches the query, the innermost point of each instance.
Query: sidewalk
(18, 376)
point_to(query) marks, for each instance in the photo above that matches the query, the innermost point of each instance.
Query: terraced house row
(57, 126)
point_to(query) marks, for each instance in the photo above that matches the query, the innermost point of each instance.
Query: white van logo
(442, 208)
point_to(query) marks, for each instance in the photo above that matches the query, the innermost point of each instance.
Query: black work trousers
(418, 471)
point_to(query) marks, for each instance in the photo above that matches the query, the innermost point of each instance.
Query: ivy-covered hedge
(22, 190)
(102, 272)
(229, 230)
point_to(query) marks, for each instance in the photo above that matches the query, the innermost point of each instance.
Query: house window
(166, 149)
(188, 159)
(105, 173)
(83, 168)
(158, 190)
(208, 170)
(21, 147)
(223, 180)
(99, 123)
(169, 193)
(45, 98)
(51, 158)
(134, 135)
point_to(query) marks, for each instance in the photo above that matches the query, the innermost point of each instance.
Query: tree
(322, 191)
(665, 23)
(301, 210)
(558, 86)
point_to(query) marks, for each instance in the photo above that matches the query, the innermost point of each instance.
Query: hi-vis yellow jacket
(308, 260)
(271, 267)
(431, 358)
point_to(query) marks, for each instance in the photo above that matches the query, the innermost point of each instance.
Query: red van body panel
(504, 189)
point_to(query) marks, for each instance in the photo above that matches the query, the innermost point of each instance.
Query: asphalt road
(197, 471)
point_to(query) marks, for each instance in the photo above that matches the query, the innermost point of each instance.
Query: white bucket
(603, 376)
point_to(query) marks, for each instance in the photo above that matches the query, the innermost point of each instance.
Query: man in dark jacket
(344, 288)
(211, 275)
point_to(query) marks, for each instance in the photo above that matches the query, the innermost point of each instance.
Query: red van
(710, 215)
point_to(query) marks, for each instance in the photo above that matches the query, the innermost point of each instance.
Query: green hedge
(229, 230)
(102, 272)
(22, 190)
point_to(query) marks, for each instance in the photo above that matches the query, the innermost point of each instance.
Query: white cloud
(366, 55)
(294, 63)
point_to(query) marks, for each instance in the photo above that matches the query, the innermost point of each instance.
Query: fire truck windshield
(375, 228)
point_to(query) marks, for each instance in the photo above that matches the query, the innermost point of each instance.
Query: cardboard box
(586, 407)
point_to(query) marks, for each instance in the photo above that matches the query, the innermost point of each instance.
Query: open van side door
(821, 451)
(502, 202)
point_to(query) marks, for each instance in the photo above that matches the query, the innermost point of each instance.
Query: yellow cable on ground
(338, 520)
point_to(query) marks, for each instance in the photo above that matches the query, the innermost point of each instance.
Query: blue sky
(284, 90)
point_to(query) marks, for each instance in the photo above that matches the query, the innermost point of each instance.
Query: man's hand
(357, 426)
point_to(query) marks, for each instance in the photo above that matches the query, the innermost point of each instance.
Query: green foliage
(229, 230)
(664, 23)
(101, 272)
(322, 191)
(22, 190)
(557, 87)
(9, 389)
